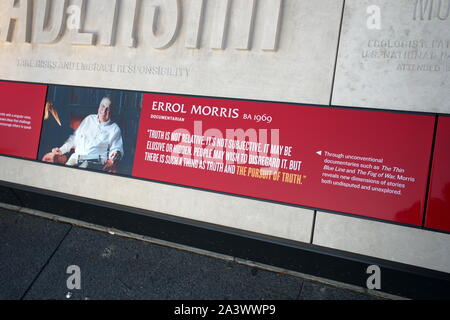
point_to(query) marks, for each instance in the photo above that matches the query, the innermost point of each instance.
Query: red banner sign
(21, 111)
(438, 212)
(368, 163)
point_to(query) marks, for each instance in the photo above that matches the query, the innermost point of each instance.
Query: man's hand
(110, 165)
(57, 151)
(114, 156)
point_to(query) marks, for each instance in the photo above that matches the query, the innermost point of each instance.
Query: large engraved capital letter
(77, 17)
(17, 20)
(195, 24)
(165, 40)
(273, 26)
(49, 20)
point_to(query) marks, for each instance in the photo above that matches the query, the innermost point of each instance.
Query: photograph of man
(96, 144)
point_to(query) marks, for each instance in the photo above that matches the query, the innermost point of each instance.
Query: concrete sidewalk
(35, 253)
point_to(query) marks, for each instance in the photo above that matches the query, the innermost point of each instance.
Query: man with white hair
(97, 141)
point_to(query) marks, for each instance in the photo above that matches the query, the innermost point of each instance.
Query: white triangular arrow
(319, 153)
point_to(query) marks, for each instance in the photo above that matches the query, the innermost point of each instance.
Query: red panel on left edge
(21, 112)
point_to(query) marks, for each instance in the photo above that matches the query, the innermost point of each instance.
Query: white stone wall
(392, 55)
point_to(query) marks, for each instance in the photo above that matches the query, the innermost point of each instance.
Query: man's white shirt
(94, 138)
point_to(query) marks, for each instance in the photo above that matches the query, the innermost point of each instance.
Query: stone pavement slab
(119, 268)
(318, 291)
(35, 254)
(26, 244)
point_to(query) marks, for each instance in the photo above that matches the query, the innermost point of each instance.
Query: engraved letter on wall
(194, 24)
(18, 21)
(272, 30)
(78, 37)
(222, 17)
(248, 13)
(49, 20)
(162, 41)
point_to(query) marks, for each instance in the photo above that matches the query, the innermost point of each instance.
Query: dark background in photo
(73, 104)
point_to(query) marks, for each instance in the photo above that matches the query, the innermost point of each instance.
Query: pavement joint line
(300, 291)
(249, 263)
(45, 264)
